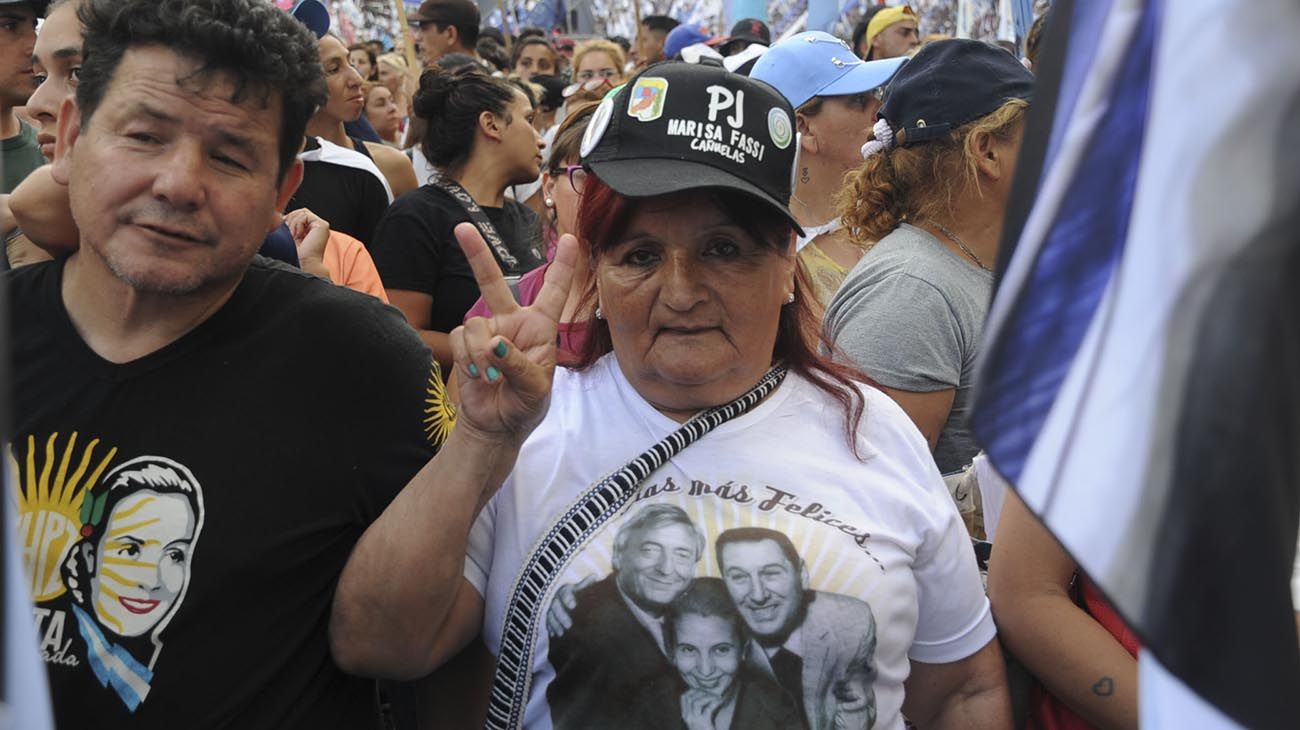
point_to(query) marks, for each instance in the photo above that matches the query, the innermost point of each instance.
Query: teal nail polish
(500, 350)
(473, 370)
(493, 374)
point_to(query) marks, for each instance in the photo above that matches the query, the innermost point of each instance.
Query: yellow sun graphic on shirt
(51, 480)
(439, 411)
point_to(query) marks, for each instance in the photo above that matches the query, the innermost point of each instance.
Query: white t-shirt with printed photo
(885, 569)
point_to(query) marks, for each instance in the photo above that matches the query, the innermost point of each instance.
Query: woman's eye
(640, 257)
(724, 248)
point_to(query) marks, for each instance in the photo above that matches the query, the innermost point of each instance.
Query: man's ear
(69, 131)
(288, 186)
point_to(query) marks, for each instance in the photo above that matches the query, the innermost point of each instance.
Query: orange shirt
(350, 265)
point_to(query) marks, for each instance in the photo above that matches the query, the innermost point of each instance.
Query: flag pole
(408, 47)
(505, 20)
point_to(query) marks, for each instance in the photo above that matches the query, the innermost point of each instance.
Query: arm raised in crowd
(1073, 655)
(402, 606)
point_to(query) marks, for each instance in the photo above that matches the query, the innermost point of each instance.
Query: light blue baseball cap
(815, 63)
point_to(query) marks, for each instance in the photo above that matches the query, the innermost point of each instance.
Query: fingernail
(473, 370)
(500, 350)
(493, 374)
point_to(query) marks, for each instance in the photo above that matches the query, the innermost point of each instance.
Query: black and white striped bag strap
(524, 612)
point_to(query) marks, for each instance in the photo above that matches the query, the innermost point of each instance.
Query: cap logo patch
(646, 102)
(721, 99)
(779, 127)
(724, 133)
(597, 126)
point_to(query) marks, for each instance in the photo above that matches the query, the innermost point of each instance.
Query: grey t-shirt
(910, 315)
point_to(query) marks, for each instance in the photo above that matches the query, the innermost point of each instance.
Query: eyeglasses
(422, 24)
(577, 175)
(604, 73)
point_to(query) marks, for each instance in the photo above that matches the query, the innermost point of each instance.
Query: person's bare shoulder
(395, 166)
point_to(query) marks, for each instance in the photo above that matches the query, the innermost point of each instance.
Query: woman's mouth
(136, 605)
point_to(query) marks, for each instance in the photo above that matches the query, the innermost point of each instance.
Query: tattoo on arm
(1105, 687)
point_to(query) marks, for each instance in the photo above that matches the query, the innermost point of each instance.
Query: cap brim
(643, 178)
(863, 77)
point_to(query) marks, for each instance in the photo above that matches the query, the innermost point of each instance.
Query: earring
(790, 298)
(599, 314)
(548, 202)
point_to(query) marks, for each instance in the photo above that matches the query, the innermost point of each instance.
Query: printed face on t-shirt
(657, 564)
(765, 586)
(706, 651)
(140, 561)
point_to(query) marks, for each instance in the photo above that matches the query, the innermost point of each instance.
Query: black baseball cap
(458, 13)
(37, 6)
(683, 126)
(747, 30)
(948, 84)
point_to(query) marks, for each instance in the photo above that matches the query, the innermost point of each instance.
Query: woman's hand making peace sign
(506, 362)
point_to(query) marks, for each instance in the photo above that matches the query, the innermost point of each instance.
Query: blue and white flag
(1141, 379)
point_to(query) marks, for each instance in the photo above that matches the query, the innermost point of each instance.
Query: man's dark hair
(531, 32)
(494, 53)
(467, 24)
(758, 534)
(860, 30)
(622, 42)
(263, 48)
(495, 34)
(660, 23)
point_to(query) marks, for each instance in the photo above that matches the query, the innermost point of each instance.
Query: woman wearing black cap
(932, 191)
(700, 435)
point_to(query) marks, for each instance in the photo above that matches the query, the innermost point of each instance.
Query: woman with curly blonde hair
(931, 194)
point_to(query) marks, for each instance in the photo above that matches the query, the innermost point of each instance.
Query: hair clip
(882, 139)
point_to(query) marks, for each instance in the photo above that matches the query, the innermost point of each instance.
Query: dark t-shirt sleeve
(405, 247)
(372, 211)
(402, 415)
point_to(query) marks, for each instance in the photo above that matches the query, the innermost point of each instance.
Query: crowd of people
(641, 369)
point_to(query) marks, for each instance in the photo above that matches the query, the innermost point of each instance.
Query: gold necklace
(962, 245)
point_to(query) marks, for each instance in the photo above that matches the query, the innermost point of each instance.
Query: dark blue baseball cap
(951, 83)
(314, 15)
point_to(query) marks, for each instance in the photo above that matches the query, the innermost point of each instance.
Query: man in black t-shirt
(203, 437)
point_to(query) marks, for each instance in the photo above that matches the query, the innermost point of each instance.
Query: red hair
(604, 215)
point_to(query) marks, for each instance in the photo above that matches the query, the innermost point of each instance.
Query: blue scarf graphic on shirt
(113, 665)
